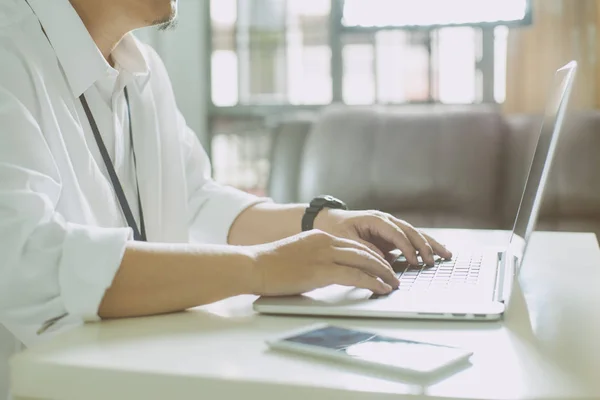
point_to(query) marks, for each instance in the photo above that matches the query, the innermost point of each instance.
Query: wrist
(253, 267)
(319, 208)
(248, 276)
(322, 219)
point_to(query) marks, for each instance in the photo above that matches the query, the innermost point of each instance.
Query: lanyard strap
(138, 233)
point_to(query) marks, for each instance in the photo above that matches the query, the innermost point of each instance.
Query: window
(274, 57)
(270, 52)
(406, 13)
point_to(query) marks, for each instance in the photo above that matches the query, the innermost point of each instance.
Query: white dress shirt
(62, 232)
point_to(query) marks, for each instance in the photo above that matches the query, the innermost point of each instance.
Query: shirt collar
(80, 58)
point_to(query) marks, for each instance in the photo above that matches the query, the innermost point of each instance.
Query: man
(107, 209)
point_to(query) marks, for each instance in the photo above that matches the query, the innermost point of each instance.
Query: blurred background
(293, 97)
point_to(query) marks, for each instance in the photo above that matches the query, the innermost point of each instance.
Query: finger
(417, 239)
(438, 248)
(367, 263)
(361, 245)
(391, 233)
(345, 276)
(391, 258)
(372, 247)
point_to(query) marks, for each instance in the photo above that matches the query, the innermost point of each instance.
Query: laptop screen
(542, 159)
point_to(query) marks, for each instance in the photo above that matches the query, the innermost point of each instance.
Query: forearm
(161, 278)
(265, 223)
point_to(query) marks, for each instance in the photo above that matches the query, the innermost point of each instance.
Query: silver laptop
(474, 285)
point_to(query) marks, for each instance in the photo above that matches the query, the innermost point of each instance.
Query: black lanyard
(138, 234)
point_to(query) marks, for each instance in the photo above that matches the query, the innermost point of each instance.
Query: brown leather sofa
(438, 166)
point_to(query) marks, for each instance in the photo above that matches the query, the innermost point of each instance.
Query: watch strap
(316, 206)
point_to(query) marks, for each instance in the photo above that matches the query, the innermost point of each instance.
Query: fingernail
(385, 288)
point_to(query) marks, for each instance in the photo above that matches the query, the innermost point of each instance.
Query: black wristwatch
(315, 207)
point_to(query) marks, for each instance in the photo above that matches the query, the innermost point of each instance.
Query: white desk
(218, 352)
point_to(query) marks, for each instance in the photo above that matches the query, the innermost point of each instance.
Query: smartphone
(371, 350)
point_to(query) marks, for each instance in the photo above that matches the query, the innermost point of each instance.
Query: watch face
(328, 201)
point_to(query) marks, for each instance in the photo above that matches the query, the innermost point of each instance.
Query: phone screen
(384, 350)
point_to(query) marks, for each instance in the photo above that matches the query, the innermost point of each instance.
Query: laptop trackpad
(338, 295)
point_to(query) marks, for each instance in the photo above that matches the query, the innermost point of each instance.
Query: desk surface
(545, 348)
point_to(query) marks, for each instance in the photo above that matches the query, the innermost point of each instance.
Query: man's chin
(167, 22)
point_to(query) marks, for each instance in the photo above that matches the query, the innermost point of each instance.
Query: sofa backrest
(428, 159)
(572, 196)
(439, 166)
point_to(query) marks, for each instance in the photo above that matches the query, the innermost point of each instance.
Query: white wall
(183, 50)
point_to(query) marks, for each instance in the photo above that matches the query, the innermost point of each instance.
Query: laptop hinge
(500, 277)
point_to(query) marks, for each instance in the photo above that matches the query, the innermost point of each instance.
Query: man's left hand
(382, 233)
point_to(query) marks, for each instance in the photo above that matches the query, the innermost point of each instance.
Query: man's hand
(315, 259)
(382, 233)
(346, 248)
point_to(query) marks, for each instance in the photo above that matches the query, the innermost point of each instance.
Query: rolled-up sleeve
(48, 267)
(214, 207)
(84, 279)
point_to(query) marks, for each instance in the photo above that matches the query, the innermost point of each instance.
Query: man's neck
(107, 25)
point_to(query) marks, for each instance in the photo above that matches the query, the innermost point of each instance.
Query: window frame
(336, 32)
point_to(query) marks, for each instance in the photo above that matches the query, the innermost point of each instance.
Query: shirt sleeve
(213, 207)
(49, 268)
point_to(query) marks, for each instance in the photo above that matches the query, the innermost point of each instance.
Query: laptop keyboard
(462, 270)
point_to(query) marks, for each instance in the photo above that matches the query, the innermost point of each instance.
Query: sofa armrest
(286, 157)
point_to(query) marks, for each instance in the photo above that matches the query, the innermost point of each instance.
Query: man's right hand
(316, 259)
(157, 278)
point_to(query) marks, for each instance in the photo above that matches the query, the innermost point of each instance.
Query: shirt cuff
(215, 218)
(90, 260)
